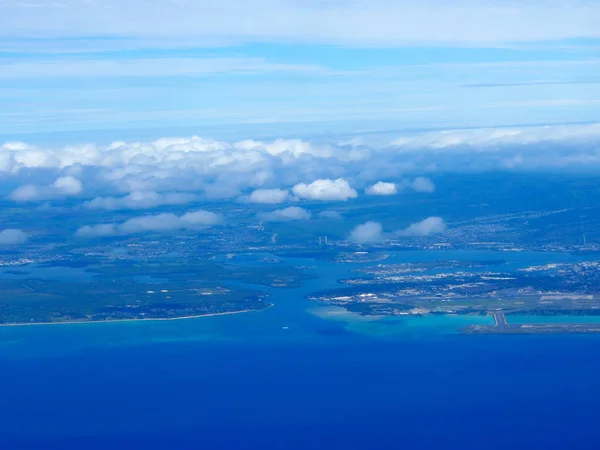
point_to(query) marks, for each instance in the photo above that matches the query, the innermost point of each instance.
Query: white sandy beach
(132, 320)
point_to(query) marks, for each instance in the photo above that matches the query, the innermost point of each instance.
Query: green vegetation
(42, 301)
(204, 271)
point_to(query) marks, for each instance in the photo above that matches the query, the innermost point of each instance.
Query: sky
(144, 106)
(103, 70)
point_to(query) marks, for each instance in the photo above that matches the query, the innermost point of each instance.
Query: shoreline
(79, 322)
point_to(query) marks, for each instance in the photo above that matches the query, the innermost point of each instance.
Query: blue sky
(298, 67)
(148, 105)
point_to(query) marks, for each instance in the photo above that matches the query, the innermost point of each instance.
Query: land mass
(64, 322)
(35, 301)
(475, 288)
(501, 326)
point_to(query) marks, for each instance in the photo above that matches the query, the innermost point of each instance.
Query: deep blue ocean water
(245, 382)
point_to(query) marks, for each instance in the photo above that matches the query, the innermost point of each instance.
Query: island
(476, 288)
(36, 301)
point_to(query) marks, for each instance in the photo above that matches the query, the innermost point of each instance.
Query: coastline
(79, 322)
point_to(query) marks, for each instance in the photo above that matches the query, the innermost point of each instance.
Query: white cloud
(325, 189)
(152, 223)
(100, 230)
(422, 184)
(12, 237)
(382, 188)
(125, 162)
(26, 193)
(286, 148)
(67, 186)
(269, 196)
(368, 232)
(159, 222)
(419, 184)
(136, 166)
(289, 214)
(365, 22)
(140, 200)
(201, 218)
(426, 227)
(172, 170)
(62, 187)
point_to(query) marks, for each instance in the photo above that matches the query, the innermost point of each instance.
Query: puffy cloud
(268, 196)
(429, 226)
(289, 214)
(100, 230)
(159, 222)
(62, 187)
(221, 170)
(216, 168)
(368, 232)
(201, 218)
(153, 223)
(325, 189)
(419, 184)
(67, 186)
(422, 184)
(26, 193)
(143, 163)
(140, 200)
(382, 188)
(12, 237)
(288, 148)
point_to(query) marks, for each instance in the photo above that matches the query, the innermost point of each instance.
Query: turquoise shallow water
(292, 318)
(298, 376)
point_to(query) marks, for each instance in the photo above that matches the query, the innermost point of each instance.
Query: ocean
(292, 377)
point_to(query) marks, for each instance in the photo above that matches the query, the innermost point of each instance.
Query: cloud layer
(153, 223)
(63, 187)
(385, 22)
(140, 200)
(172, 171)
